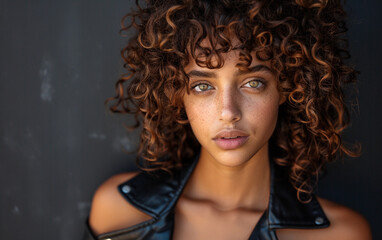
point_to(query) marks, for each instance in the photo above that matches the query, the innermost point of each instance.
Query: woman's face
(232, 113)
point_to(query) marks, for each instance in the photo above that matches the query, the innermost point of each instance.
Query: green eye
(202, 87)
(254, 84)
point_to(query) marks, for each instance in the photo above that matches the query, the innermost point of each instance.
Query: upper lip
(230, 133)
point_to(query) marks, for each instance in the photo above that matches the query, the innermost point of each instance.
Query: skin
(229, 189)
(225, 100)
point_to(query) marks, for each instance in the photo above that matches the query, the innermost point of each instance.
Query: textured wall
(59, 61)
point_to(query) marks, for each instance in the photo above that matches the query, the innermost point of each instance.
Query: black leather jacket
(157, 194)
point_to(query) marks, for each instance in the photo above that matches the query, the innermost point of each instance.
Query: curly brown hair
(302, 39)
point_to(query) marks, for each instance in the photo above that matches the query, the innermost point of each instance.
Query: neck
(245, 186)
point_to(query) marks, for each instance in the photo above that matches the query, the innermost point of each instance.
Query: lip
(229, 139)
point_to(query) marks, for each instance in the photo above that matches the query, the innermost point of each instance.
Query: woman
(241, 105)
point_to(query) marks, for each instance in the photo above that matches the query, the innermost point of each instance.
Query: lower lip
(231, 143)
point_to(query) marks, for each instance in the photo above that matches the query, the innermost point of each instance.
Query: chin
(233, 158)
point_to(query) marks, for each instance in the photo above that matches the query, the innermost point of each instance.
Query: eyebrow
(257, 68)
(197, 73)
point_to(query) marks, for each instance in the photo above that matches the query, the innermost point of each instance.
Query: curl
(303, 41)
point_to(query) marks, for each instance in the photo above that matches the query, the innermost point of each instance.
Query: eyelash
(209, 87)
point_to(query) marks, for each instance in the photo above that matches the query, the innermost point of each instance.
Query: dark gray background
(59, 61)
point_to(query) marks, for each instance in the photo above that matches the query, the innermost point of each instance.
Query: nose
(229, 105)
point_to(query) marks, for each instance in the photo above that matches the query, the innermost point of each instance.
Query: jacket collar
(156, 193)
(284, 209)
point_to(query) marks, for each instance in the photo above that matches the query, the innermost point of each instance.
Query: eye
(256, 83)
(202, 87)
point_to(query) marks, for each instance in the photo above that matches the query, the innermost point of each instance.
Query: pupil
(203, 87)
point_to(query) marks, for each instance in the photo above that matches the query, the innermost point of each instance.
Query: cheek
(264, 115)
(199, 116)
(191, 108)
(270, 117)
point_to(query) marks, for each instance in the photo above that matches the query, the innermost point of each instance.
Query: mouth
(231, 139)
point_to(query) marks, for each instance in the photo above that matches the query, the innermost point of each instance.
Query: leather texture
(156, 194)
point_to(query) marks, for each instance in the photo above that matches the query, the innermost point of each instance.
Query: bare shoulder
(345, 224)
(110, 211)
